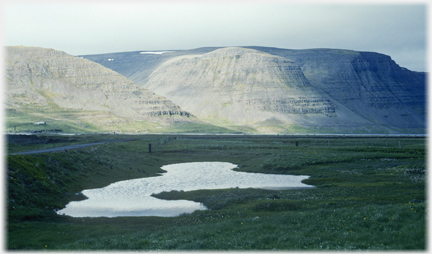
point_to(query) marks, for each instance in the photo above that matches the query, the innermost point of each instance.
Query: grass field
(370, 195)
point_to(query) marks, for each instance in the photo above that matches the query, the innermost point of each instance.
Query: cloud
(398, 30)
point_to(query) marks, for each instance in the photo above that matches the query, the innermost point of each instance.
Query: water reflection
(132, 197)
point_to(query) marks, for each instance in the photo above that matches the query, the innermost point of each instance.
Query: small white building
(40, 123)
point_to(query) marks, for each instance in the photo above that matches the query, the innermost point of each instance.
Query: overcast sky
(397, 29)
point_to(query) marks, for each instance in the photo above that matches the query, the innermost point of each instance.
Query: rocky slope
(372, 85)
(337, 90)
(45, 80)
(241, 85)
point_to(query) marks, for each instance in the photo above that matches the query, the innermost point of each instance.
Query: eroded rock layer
(50, 79)
(369, 84)
(242, 85)
(355, 90)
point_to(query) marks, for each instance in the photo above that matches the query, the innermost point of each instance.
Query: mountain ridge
(270, 90)
(367, 87)
(68, 79)
(42, 83)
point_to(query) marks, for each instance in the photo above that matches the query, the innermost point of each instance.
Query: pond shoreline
(134, 197)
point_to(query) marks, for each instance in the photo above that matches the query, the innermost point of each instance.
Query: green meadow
(369, 194)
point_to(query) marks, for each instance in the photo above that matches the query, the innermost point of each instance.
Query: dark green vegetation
(363, 200)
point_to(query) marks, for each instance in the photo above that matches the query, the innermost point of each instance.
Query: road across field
(221, 136)
(69, 147)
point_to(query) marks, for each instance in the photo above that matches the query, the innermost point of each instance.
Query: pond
(132, 197)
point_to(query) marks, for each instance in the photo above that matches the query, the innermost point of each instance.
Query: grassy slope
(82, 121)
(363, 198)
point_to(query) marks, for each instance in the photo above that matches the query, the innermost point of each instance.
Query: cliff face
(387, 84)
(47, 79)
(313, 87)
(369, 84)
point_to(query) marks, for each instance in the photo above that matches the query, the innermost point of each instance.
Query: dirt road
(69, 147)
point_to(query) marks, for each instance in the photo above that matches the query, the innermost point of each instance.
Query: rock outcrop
(48, 80)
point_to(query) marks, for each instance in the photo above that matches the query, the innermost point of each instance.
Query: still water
(132, 197)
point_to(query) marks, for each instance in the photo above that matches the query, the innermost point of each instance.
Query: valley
(370, 194)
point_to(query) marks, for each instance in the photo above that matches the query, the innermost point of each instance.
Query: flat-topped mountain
(372, 85)
(48, 84)
(243, 86)
(282, 90)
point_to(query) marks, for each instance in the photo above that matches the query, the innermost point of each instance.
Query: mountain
(242, 85)
(50, 85)
(283, 90)
(372, 85)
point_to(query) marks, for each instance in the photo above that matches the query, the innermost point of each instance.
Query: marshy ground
(369, 195)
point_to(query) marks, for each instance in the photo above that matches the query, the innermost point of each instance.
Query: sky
(397, 29)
